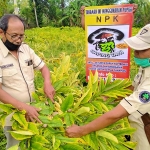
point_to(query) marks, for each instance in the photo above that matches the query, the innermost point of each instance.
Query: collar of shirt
(4, 49)
(146, 72)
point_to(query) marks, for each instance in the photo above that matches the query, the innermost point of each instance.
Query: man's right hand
(82, 10)
(31, 113)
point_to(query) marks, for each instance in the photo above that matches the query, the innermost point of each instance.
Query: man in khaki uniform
(133, 106)
(17, 64)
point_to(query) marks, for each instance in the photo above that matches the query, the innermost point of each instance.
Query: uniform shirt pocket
(9, 75)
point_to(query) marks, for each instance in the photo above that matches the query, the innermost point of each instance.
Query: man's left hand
(49, 90)
(135, 6)
(74, 131)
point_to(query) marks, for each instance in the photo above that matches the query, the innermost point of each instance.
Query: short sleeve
(138, 99)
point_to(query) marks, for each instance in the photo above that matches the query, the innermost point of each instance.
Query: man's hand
(135, 6)
(49, 90)
(74, 131)
(31, 113)
(82, 10)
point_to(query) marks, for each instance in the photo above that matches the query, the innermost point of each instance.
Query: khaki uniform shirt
(17, 75)
(138, 104)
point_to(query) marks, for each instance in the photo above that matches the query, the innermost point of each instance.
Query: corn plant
(74, 104)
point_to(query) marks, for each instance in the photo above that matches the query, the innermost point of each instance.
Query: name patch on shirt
(144, 96)
(6, 66)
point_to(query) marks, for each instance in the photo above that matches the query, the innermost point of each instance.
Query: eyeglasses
(15, 37)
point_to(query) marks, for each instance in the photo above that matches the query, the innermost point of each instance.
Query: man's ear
(1, 33)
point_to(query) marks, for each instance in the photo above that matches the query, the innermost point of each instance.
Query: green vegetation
(57, 13)
(74, 103)
(63, 50)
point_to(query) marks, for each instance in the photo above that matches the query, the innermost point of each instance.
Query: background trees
(142, 16)
(65, 12)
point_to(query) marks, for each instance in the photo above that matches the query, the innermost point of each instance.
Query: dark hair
(5, 19)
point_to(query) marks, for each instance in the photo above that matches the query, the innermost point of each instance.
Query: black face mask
(10, 46)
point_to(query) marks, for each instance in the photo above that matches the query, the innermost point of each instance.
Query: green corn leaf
(39, 139)
(107, 135)
(101, 85)
(20, 118)
(95, 78)
(74, 78)
(88, 97)
(95, 88)
(92, 108)
(97, 106)
(22, 144)
(22, 132)
(82, 110)
(65, 89)
(58, 84)
(129, 144)
(44, 119)
(2, 119)
(6, 108)
(33, 127)
(90, 80)
(69, 119)
(40, 90)
(56, 143)
(104, 107)
(108, 80)
(126, 123)
(102, 145)
(113, 94)
(70, 140)
(72, 147)
(125, 83)
(56, 122)
(45, 109)
(21, 135)
(66, 63)
(91, 139)
(84, 99)
(110, 94)
(16, 126)
(67, 103)
(105, 143)
(15, 147)
(123, 131)
(93, 82)
(35, 97)
(52, 131)
(119, 146)
(113, 85)
(38, 146)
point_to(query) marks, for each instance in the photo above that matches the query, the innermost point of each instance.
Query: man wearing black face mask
(17, 64)
(10, 46)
